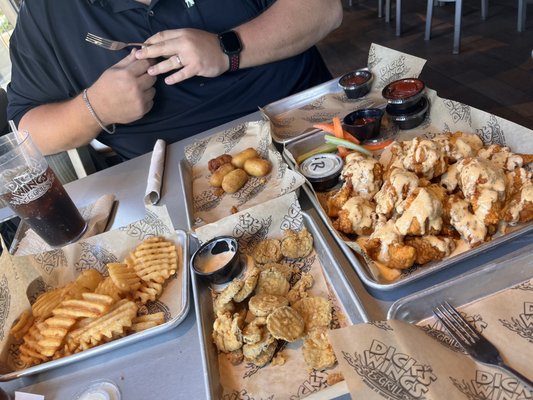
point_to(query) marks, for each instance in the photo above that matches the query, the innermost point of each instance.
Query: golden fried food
(252, 351)
(155, 259)
(234, 180)
(53, 331)
(148, 291)
(249, 280)
(286, 324)
(422, 214)
(272, 282)
(519, 207)
(363, 174)
(357, 216)
(240, 158)
(265, 356)
(317, 350)
(284, 269)
(297, 244)
(398, 185)
(459, 145)
(89, 279)
(299, 289)
(261, 305)
(235, 357)
(147, 321)
(228, 294)
(217, 162)
(472, 230)
(217, 177)
(227, 334)
(46, 302)
(22, 325)
(337, 199)
(108, 287)
(278, 360)
(503, 158)
(124, 276)
(426, 158)
(91, 306)
(254, 331)
(431, 248)
(267, 251)
(315, 311)
(257, 167)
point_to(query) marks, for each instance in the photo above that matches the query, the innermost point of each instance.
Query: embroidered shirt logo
(394, 375)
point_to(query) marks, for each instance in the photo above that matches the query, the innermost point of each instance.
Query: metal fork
(477, 346)
(108, 43)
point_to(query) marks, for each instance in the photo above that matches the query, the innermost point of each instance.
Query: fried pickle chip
(299, 289)
(268, 250)
(286, 324)
(263, 304)
(315, 311)
(124, 276)
(254, 331)
(250, 281)
(265, 356)
(297, 244)
(227, 334)
(22, 325)
(285, 269)
(155, 259)
(235, 357)
(227, 295)
(317, 350)
(90, 306)
(252, 351)
(272, 282)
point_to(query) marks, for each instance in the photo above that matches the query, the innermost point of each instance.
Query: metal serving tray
(501, 274)
(295, 148)
(183, 276)
(203, 303)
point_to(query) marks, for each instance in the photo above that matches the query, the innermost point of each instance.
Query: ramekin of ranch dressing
(218, 261)
(100, 390)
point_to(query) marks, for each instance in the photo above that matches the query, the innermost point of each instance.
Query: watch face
(230, 42)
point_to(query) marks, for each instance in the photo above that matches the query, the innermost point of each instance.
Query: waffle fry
(46, 302)
(89, 279)
(147, 321)
(148, 291)
(22, 325)
(156, 259)
(92, 305)
(53, 331)
(108, 287)
(124, 276)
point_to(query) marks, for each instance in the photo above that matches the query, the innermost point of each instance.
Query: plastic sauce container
(322, 170)
(100, 390)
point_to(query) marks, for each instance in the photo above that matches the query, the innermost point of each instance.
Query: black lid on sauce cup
(218, 261)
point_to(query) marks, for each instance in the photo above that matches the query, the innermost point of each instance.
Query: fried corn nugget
(251, 351)
(315, 311)
(90, 306)
(268, 250)
(317, 350)
(22, 325)
(112, 324)
(285, 269)
(227, 333)
(263, 304)
(155, 259)
(250, 281)
(297, 244)
(46, 302)
(216, 163)
(148, 291)
(272, 282)
(124, 276)
(108, 287)
(147, 321)
(89, 279)
(286, 324)
(299, 290)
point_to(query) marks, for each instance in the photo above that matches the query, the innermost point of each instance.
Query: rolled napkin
(155, 174)
(96, 214)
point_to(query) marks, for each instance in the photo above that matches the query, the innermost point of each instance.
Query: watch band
(234, 60)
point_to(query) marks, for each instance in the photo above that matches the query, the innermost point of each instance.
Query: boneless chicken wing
(398, 185)
(430, 248)
(421, 213)
(459, 145)
(364, 175)
(426, 158)
(503, 157)
(357, 216)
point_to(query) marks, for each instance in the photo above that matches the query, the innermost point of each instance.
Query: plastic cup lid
(100, 390)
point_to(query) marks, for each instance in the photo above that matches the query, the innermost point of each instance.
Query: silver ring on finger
(178, 60)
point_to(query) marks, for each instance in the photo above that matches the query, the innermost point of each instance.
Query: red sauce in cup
(354, 80)
(364, 121)
(403, 89)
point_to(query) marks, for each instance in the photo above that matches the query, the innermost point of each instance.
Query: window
(8, 16)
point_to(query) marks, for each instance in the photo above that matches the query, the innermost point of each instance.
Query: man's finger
(181, 75)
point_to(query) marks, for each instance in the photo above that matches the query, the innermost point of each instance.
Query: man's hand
(198, 54)
(124, 93)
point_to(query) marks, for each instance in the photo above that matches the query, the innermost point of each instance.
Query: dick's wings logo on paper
(493, 386)
(523, 324)
(394, 375)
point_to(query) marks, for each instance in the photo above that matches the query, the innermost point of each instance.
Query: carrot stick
(329, 129)
(343, 151)
(337, 128)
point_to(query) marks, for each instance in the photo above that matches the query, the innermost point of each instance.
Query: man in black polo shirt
(209, 62)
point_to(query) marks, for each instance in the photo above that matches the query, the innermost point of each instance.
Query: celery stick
(323, 148)
(345, 143)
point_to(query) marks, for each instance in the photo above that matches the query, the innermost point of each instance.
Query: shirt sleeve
(36, 76)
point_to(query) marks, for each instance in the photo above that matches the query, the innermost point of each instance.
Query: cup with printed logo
(32, 190)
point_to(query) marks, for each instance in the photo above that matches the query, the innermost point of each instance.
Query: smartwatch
(231, 45)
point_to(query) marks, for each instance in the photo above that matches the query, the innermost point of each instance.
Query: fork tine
(98, 40)
(462, 324)
(447, 322)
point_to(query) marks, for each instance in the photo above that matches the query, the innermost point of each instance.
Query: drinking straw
(15, 130)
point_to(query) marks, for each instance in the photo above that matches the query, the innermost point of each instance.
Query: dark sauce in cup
(364, 121)
(403, 89)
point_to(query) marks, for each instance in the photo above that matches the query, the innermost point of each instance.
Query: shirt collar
(119, 5)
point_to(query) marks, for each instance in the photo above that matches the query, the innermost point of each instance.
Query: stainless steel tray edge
(205, 317)
(104, 348)
(421, 272)
(481, 282)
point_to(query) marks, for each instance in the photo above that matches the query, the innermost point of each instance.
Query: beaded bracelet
(93, 113)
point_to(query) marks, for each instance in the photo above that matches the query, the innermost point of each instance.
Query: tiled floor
(493, 72)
